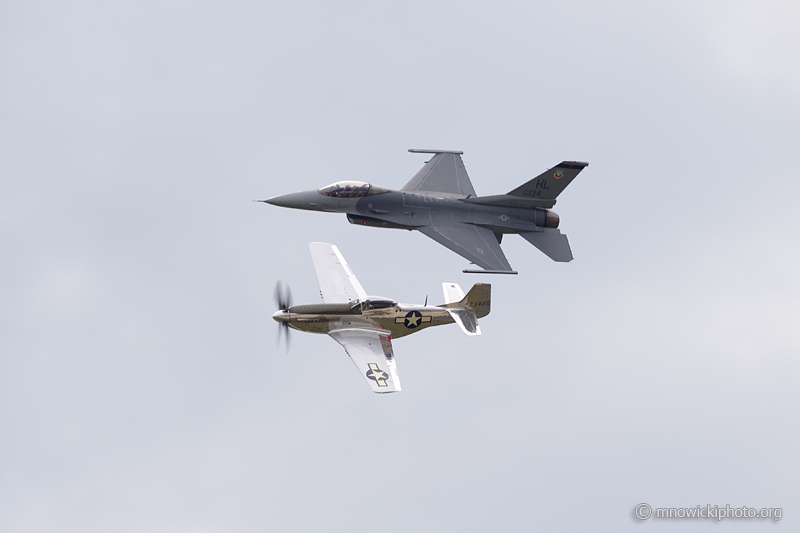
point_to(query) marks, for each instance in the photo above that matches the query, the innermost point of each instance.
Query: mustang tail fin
(466, 309)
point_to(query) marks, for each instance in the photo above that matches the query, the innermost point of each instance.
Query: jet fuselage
(441, 203)
(408, 210)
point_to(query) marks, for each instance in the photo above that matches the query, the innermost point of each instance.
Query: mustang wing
(444, 172)
(337, 283)
(372, 354)
(476, 243)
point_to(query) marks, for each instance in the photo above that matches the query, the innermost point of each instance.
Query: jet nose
(294, 200)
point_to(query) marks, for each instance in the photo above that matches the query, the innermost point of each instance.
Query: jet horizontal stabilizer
(551, 242)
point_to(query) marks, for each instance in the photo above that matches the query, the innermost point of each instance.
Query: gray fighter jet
(364, 325)
(440, 202)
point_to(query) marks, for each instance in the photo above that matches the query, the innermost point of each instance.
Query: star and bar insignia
(412, 319)
(377, 375)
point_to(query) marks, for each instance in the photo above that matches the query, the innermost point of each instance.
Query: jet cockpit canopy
(351, 189)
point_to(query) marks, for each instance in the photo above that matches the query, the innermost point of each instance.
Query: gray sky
(140, 384)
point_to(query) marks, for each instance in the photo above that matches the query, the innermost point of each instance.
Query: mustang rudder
(478, 299)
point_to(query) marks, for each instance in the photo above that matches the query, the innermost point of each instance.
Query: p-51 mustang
(440, 202)
(364, 325)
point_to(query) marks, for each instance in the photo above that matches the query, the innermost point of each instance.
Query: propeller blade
(283, 299)
(276, 294)
(283, 296)
(287, 297)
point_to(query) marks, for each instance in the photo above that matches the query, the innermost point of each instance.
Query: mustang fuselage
(380, 314)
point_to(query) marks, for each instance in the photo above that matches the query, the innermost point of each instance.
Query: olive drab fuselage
(379, 314)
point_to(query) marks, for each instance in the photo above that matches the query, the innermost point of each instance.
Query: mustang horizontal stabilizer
(372, 354)
(444, 172)
(337, 283)
(550, 242)
(475, 243)
(466, 320)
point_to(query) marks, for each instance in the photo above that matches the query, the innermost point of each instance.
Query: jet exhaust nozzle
(552, 219)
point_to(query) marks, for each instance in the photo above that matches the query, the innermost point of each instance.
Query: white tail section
(466, 320)
(452, 292)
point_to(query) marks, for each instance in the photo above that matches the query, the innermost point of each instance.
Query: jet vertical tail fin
(549, 184)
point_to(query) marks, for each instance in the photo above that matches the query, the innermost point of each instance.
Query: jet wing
(371, 351)
(337, 283)
(444, 172)
(476, 243)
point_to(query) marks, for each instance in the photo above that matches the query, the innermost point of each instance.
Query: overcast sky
(141, 388)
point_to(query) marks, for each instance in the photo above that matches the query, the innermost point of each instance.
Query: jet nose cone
(294, 200)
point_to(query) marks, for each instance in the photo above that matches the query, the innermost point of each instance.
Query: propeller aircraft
(365, 325)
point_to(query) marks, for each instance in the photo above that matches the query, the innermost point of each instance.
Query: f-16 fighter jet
(440, 202)
(364, 325)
